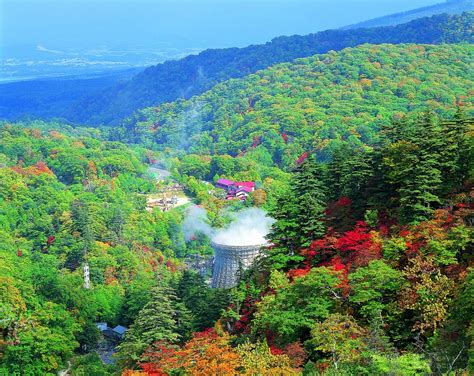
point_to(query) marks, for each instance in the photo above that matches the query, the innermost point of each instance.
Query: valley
(300, 207)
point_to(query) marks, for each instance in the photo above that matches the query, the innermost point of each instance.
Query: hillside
(54, 97)
(303, 207)
(314, 103)
(367, 250)
(197, 73)
(68, 198)
(371, 243)
(448, 7)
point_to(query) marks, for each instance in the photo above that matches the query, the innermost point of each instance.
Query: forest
(369, 271)
(315, 103)
(364, 159)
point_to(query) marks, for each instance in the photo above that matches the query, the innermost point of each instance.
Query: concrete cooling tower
(230, 261)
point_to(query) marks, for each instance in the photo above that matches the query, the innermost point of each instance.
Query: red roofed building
(225, 184)
(245, 184)
(240, 190)
(243, 192)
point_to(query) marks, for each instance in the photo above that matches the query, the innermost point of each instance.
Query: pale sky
(192, 23)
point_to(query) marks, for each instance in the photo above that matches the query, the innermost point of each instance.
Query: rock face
(230, 261)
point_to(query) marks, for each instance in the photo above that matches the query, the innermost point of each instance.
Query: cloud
(44, 49)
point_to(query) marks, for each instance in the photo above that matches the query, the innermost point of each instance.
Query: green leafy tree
(374, 288)
(222, 165)
(45, 342)
(195, 165)
(294, 308)
(408, 364)
(340, 338)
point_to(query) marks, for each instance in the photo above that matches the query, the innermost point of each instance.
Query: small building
(225, 184)
(243, 192)
(236, 190)
(119, 331)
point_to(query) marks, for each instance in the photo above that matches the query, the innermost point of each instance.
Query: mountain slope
(195, 74)
(449, 7)
(315, 103)
(53, 98)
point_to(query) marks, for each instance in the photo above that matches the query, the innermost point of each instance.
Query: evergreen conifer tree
(164, 318)
(205, 304)
(335, 172)
(298, 214)
(455, 154)
(414, 167)
(310, 193)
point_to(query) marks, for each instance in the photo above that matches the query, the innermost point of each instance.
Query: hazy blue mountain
(449, 7)
(124, 24)
(53, 98)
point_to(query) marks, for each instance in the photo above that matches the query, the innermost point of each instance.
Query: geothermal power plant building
(230, 261)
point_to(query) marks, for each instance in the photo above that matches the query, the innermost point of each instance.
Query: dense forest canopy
(195, 74)
(67, 197)
(314, 104)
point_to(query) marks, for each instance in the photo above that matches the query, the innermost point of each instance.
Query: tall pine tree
(414, 168)
(456, 152)
(299, 214)
(164, 318)
(205, 304)
(310, 193)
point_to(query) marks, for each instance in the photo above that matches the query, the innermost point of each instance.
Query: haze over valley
(87, 38)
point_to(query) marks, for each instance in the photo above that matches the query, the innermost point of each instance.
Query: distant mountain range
(53, 98)
(196, 74)
(449, 7)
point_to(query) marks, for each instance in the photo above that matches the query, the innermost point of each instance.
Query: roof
(101, 326)
(244, 189)
(225, 182)
(120, 329)
(249, 184)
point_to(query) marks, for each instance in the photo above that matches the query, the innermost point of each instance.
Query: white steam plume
(196, 222)
(249, 227)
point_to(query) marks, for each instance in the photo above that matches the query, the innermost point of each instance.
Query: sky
(58, 24)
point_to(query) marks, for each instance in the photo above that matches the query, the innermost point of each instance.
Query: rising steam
(249, 227)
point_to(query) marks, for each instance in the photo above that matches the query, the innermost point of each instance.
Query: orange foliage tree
(207, 353)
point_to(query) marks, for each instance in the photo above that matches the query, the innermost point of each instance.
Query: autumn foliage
(207, 353)
(210, 353)
(356, 247)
